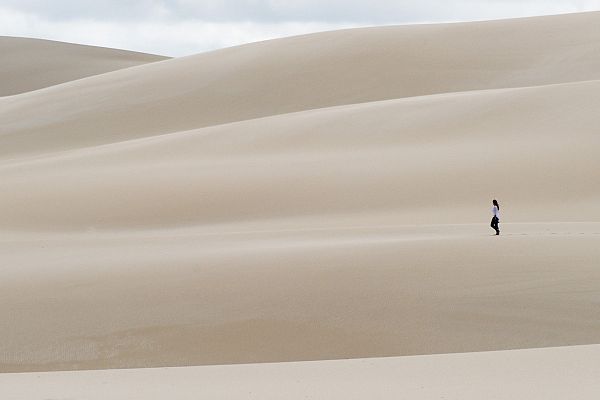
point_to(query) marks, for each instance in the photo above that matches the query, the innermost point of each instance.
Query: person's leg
(494, 225)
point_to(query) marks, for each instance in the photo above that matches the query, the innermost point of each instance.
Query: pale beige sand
(31, 64)
(538, 374)
(535, 147)
(136, 231)
(300, 73)
(214, 295)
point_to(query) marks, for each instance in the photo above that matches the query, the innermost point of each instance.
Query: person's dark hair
(495, 202)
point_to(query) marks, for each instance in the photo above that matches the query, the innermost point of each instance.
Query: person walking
(496, 217)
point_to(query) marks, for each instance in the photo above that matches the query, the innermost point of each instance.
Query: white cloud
(181, 27)
(159, 37)
(365, 11)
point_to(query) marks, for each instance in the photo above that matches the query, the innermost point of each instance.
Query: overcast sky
(182, 27)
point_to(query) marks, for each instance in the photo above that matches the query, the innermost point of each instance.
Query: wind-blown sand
(309, 198)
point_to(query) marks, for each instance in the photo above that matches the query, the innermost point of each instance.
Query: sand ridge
(317, 197)
(360, 159)
(302, 73)
(32, 64)
(552, 373)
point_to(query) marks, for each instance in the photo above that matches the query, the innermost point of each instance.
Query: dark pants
(494, 224)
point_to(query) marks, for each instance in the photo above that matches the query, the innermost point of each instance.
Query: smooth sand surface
(535, 147)
(302, 73)
(31, 64)
(221, 295)
(537, 374)
(318, 197)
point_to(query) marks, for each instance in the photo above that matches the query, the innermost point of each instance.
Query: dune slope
(536, 146)
(31, 64)
(317, 197)
(305, 72)
(233, 294)
(543, 374)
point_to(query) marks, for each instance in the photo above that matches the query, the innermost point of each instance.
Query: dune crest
(32, 64)
(380, 157)
(305, 72)
(540, 373)
(316, 197)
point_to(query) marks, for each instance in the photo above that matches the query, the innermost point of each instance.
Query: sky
(184, 27)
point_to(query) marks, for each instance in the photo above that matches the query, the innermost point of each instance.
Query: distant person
(496, 217)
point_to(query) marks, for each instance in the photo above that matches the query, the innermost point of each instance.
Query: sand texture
(31, 64)
(548, 374)
(310, 198)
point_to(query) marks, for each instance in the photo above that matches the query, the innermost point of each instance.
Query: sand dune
(536, 146)
(31, 64)
(301, 73)
(544, 374)
(220, 295)
(317, 197)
